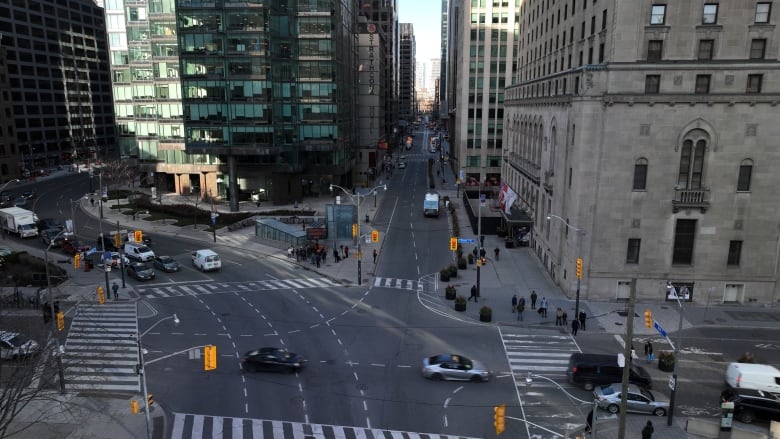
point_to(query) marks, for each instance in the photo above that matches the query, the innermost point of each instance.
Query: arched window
(745, 173)
(691, 164)
(640, 175)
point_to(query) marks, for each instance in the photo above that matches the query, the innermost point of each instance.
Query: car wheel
(588, 386)
(437, 377)
(659, 412)
(613, 408)
(746, 416)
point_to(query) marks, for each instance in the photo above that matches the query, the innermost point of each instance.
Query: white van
(206, 260)
(138, 252)
(753, 376)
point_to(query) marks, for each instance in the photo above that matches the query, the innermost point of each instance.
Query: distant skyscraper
(406, 80)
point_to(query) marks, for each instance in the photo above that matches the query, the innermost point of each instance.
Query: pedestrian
(582, 318)
(533, 299)
(482, 252)
(575, 325)
(92, 202)
(336, 254)
(558, 317)
(649, 351)
(565, 318)
(647, 432)
(115, 288)
(375, 255)
(496, 251)
(290, 252)
(346, 252)
(473, 293)
(514, 303)
(520, 308)
(543, 307)
(317, 259)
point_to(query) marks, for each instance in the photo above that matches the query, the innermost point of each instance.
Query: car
(48, 224)
(14, 345)
(20, 202)
(166, 264)
(206, 260)
(28, 194)
(402, 158)
(454, 367)
(640, 400)
(115, 259)
(272, 360)
(5, 250)
(752, 404)
(402, 165)
(55, 237)
(73, 246)
(140, 271)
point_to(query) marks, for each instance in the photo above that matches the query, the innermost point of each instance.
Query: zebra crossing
(539, 354)
(192, 426)
(179, 289)
(101, 351)
(401, 284)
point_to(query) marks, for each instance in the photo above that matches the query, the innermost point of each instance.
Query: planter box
(485, 317)
(460, 307)
(666, 366)
(450, 294)
(444, 277)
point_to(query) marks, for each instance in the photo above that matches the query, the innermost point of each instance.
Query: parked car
(140, 271)
(14, 345)
(166, 264)
(272, 360)
(73, 246)
(453, 367)
(639, 400)
(752, 404)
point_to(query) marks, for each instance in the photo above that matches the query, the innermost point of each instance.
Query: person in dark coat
(575, 325)
(647, 432)
(533, 299)
(473, 293)
(582, 318)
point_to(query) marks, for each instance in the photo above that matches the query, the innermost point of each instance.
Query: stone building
(641, 138)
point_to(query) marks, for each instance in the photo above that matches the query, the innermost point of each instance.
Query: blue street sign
(467, 240)
(659, 328)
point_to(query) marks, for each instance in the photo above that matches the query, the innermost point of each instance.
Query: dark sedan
(73, 246)
(272, 360)
(55, 237)
(166, 264)
(140, 271)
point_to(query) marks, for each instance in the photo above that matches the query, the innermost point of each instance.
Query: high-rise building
(481, 42)
(406, 74)
(640, 138)
(443, 61)
(58, 83)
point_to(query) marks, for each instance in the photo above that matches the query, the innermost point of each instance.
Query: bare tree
(116, 174)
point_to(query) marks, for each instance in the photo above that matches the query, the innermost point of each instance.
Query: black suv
(750, 404)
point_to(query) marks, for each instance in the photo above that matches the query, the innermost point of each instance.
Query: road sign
(659, 328)
(671, 382)
(467, 240)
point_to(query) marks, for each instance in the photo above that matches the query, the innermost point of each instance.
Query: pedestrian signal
(60, 321)
(499, 418)
(101, 295)
(649, 318)
(77, 260)
(579, 268)
(117, 240)
(354, 230)
(374, 236)
(453, 244)
(138, 236)
(209, 357)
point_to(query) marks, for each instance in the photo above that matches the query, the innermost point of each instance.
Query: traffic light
(374, 236)
(101, 295)
(209, 357)
(579, 268)
(138, 236)
(60, 321)
(77, 261)
(134, 407)
(649, 318)
(354, 230)
(149, 399)
(499, 418)
(453, 244)
(117, 240)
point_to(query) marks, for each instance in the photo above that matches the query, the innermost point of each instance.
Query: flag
(509, 199)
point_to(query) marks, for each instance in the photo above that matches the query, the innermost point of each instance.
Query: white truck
(431, 204)
(19, 221)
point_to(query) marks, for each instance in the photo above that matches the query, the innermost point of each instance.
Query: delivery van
(753, 376)
(206, 260)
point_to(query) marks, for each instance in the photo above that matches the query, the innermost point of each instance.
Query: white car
(14, 345)
(453, 367)
(206, 260)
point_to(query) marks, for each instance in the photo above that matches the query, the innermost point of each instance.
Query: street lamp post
(50, 298)
(357, 235)
(672, 291)
(142, 371)
(580, 238)
(100, 197)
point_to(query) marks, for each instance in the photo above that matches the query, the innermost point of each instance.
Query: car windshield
(143, 249)
(18, 340)
(167, 260)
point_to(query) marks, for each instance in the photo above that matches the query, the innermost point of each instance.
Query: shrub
(746, 357)
(460, 300)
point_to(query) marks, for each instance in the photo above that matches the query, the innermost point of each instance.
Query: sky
(425, 15)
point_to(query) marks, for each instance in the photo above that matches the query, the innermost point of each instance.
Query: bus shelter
(274, 230)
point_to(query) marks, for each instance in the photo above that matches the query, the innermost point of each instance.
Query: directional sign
(659, 328)
(467, 240)
(671, 382)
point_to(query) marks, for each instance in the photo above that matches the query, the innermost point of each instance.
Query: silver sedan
(639, 400)
(453, 367)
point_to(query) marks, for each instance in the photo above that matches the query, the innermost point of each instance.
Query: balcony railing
(691, 199)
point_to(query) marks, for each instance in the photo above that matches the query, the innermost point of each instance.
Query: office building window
(654, 50)
(710, 14)
(632, 253)
(601, 53)
(640, 175)
(658, 14)
(702, 84)
(603, 19)
(735, 252)
(684, 238)
(706, 48)
(745, 172)
(652, 84)
(691, 164)
(754, 83)
(757, 48)
(762, 12)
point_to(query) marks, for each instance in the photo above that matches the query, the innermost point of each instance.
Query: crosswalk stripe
(165, 291)
(401, 284)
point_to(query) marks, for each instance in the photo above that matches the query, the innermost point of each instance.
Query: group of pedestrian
(518, 306)
(561, 317)
(578, 323)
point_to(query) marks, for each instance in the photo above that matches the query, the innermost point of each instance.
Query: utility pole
(627, 366)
